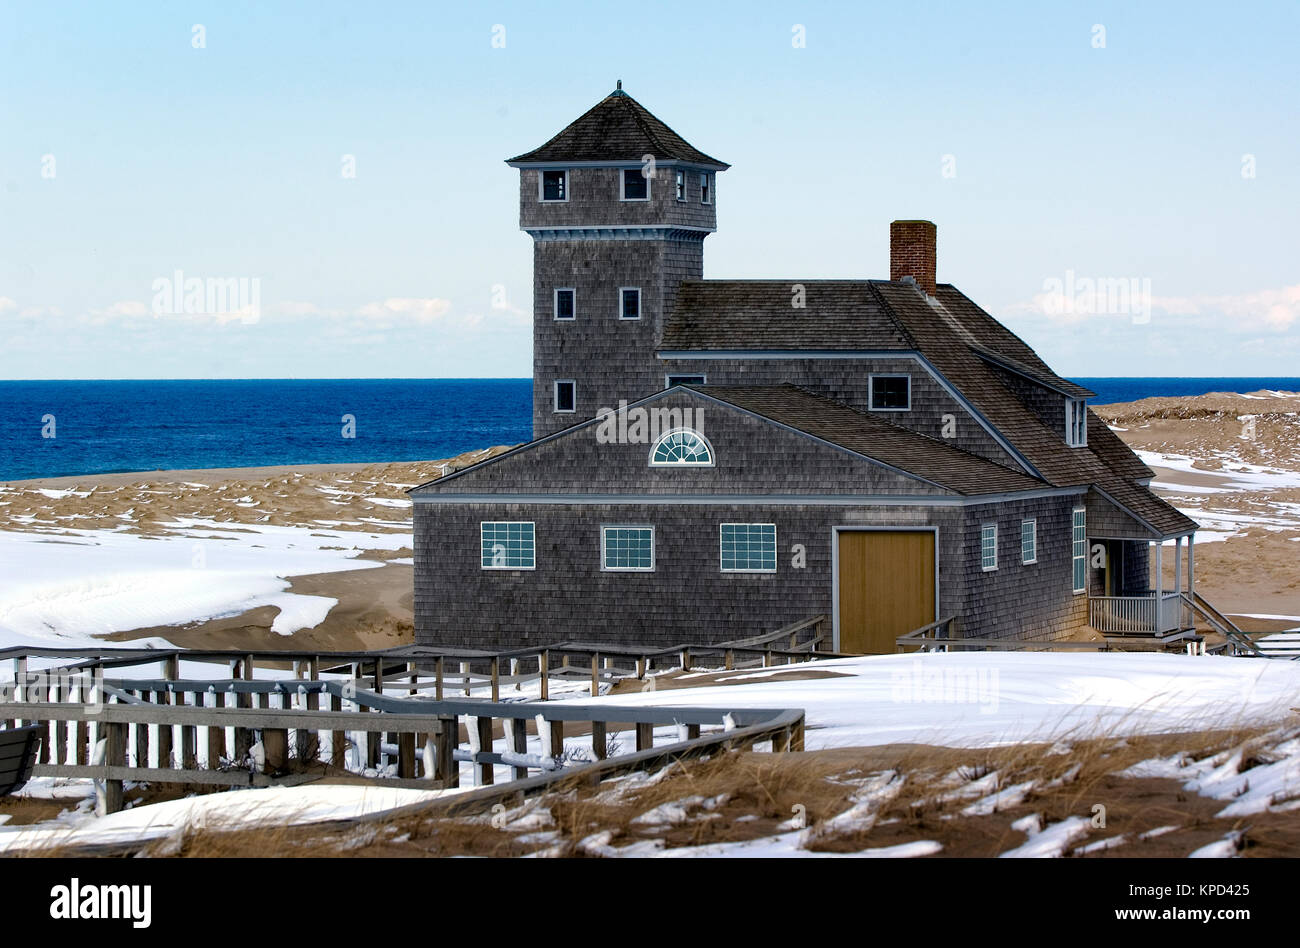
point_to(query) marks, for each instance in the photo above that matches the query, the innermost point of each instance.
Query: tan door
(886, 587)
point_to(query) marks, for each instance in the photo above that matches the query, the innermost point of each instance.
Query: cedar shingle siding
(786, 411)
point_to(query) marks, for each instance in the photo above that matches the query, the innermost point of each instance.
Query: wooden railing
(941, 636)
(1238, 642)
(237, 731)
(1137, 614)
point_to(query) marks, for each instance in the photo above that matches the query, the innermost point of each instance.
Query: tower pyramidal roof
(617, 128)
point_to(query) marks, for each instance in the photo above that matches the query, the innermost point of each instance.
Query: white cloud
(420, 310)
(1079, 300)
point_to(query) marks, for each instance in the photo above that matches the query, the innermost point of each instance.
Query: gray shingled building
(718, 458)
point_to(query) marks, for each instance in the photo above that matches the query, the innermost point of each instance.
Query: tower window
(555, 185)
(706, 189)
(636, 186)
(564, 308)
(681, 185)
(629, 306)
(890, 392)
(566, 398)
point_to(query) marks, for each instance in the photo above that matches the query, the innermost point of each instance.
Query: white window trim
(871, 389)
(627, 569)
(713, 457)
(541, 185)
(555, 303)
(668, 377)
(1073, 406)
(499, 569)
(622, 185)
(776, 546)
(1033, 523)
(555, 397)
(621, 291)
(685, 176)
(706, 193)
(1073, 555)
(983, 527)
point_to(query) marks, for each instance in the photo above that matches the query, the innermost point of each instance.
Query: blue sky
(1045, 159)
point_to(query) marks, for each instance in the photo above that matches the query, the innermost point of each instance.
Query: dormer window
(890, 392)
(636, 186)
(706, 188)
(1076, 422)
(555, 186)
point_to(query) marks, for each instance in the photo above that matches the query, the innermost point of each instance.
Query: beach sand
(1240, 481)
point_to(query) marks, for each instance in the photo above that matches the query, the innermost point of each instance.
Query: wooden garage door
(886, 587)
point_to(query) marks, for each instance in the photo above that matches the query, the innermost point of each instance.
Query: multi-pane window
(636, 186)
(681, 185)
(566, 398)
(1028, 541)
(627, 548)
(890, 392)
(629, 302)
(706, 188)
(989, 546)
(508, 545)
(681, 447)
(1076, 422)
(555, 185)
(564, 300)
(1079, 549)
(748, 547)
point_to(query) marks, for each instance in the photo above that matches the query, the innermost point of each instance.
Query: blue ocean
(106, 426)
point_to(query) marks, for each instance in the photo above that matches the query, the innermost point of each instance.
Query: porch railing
(1137, 614)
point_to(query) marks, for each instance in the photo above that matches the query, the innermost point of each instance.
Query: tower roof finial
(619, 86)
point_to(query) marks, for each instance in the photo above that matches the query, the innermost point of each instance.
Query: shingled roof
(872, 437)
(757, 314)
(617, 128)
(963, 343)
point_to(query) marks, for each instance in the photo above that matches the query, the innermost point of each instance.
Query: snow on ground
(63, 588)
(271, 806)
(968, 699)
(1239, 474)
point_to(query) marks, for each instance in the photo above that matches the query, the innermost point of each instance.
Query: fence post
(543, 670)
(486, 773)
(496, 678)
(114, 756)
(645, 736)
(729, 659)
(599, 740)
(406, 755)
(437, 688)
(519, 742)
(595, 674)
(444, 759)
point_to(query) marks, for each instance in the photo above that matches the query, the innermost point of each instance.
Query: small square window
(681, 185)
(564, 308)
(890, 392)
(636, 186)
(989, 547)
(1028, 541)
(629, 305)
(706, 189)
(555, 185)
(566, 397)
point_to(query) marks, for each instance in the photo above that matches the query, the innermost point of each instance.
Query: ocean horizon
(68, 428)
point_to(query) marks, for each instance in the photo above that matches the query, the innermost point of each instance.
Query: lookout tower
(618, 206)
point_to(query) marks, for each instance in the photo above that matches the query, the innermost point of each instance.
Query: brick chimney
(912, 252)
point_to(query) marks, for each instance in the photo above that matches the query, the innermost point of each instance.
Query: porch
(1129, 593)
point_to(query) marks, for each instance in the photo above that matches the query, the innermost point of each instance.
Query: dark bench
(17, 755)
